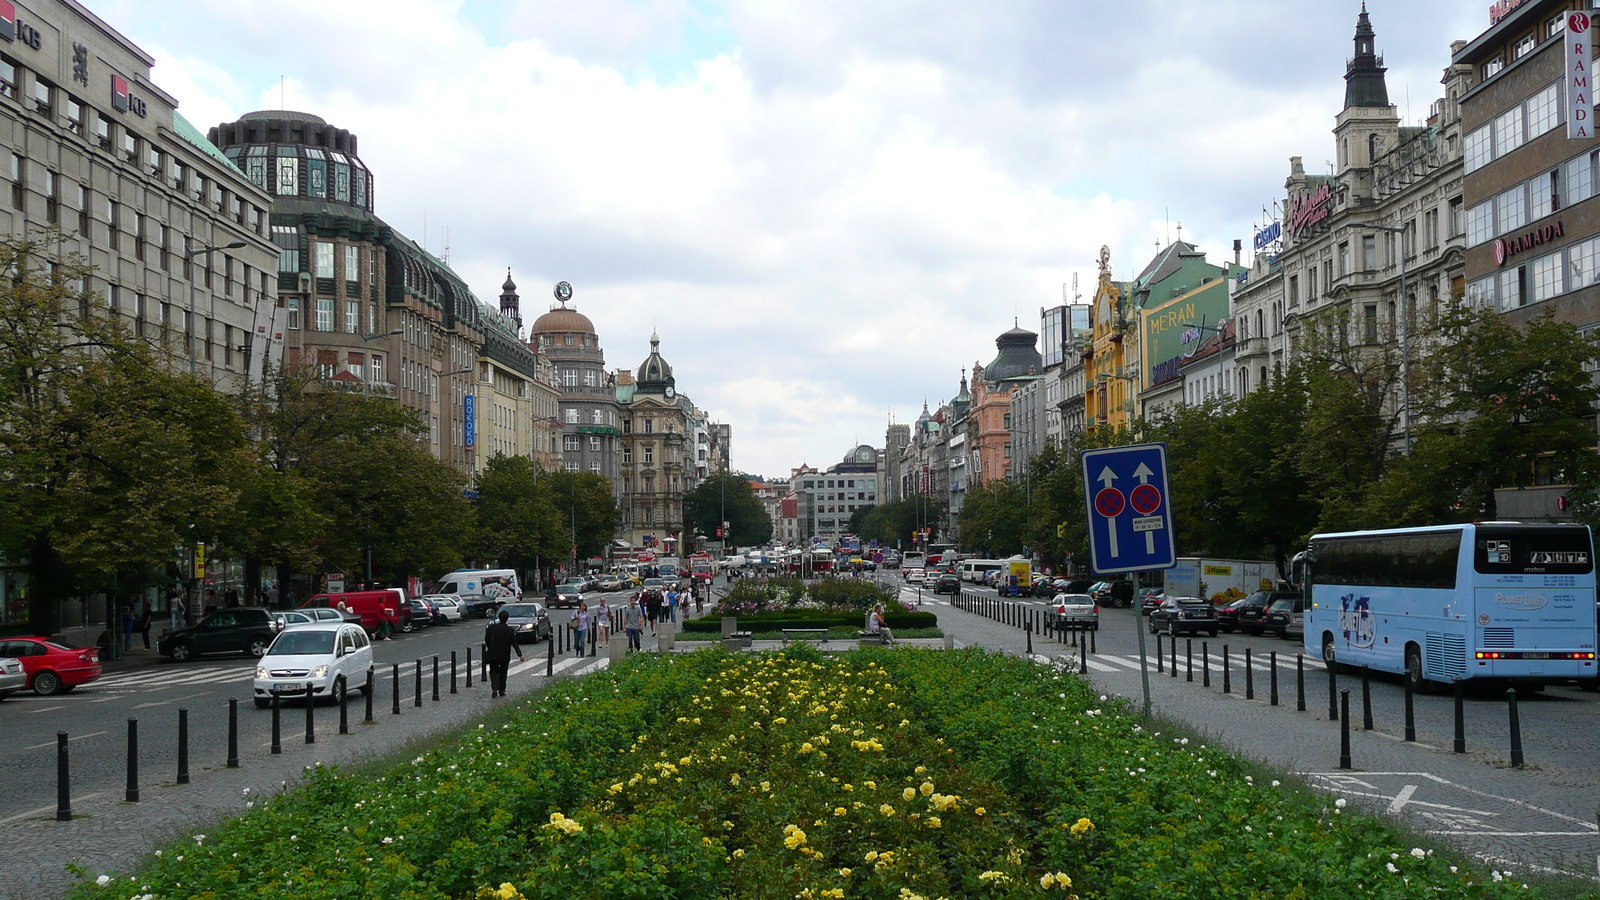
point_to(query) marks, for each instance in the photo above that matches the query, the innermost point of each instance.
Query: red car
(51, 667)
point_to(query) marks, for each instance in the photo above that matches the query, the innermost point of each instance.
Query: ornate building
(590, 416)
(989, 420)
(657, 454)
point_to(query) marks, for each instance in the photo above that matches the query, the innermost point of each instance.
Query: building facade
(99, 155)
(591, 427)
(658, 454)
(989, 436)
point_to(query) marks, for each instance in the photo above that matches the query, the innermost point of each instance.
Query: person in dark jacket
(144, 624)
(499, 639)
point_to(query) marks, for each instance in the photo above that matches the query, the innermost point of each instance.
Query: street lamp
(1405, 334)
(191, 254)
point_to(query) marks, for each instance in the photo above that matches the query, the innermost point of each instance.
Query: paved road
(1542, 816)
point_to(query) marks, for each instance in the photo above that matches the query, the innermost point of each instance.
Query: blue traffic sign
(1129, 508)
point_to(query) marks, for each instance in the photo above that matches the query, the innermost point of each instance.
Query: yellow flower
(738, 854)
(806, 747)
(872, 855)
(920, 769)
(981, 811)
(734, 778)
(844, 873)
(766, 786)
(838, 810)
(886, 809)
(1081, 826)
(616, 788)
(779, 720)
(848, 788)
(833, 892)
(1063, 880)
(507, 891)
(927, 788)
(1047, 880)
(934, 822)
(871, 785)
(909, 793)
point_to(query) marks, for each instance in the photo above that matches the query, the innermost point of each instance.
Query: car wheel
(1212, 632)
(263, 703)
(1153, 629)
(335, 690)
(1413, 673)
(1172, 628)
(408, 627)
(1228, 629)
(182, 651)
(1329, 656)
(367, 687)
(258, 647)
(46, 683)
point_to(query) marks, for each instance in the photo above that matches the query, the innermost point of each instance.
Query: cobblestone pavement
(1541, 817)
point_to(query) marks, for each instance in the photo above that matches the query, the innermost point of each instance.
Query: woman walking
(602, 623)
(583, 626)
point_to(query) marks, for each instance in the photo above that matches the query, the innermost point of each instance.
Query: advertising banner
(1579, 91)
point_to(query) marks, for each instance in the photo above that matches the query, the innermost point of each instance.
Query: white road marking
(46, 709)
(1401, 799)
(173, 700)
(78, 737)
(44, 809)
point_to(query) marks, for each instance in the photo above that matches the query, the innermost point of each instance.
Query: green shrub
(811, 618)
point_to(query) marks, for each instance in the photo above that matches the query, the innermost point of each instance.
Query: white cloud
(827, 209)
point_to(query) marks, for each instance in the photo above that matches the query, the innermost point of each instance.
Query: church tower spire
(510, 303)
(1364, 83)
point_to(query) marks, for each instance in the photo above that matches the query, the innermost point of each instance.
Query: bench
(872, 637)
(737, 640)
(822, 632)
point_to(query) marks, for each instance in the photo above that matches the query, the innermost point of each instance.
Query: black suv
(1249, 614)
(1177, 615)
(947, 584)
(244, 629)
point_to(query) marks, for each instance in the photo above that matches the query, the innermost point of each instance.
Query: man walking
(633, 624)
(499, 639)
(144, 624)
(176, 606)
(127, 628)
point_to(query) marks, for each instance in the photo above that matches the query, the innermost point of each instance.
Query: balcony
(1249, 348)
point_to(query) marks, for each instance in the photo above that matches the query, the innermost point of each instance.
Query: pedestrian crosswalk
(167, 676)
(1109, 663)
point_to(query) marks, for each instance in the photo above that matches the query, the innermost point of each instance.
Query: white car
(324, 655)
(12, 676)
(449, 606)
(915, 575)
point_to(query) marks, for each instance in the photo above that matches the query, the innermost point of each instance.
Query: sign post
(1130, 520)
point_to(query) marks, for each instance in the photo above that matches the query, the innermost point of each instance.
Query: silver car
(1073, 610)
(12, 677)
(529, 619)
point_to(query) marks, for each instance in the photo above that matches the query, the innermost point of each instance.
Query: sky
(827, 209)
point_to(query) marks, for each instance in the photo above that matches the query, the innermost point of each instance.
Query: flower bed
(811, 618)
(905, 774)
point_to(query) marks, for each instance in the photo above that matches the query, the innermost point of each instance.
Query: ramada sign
(1507, 247)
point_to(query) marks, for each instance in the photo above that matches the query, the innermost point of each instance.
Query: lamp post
(1202, 327)
(1405, 334)
(191, 254)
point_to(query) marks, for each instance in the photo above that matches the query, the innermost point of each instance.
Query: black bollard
(453, 672)
(1461, 722)
(469, 667)
(1083, 662)
(1160, 656)
(1227, 671)
(416, 698)
(396, 698)
(1344, 729)
(344, 708)
(233, 732)
(63, 780)
(1172, 664)
(1092, 632)
(1299, 682)
(277, 733)
(1027, 629)
(1274, 670)
(1366, 698)
(132, 795)
(1333, 694)
(549, 660)
(483, 662)
(1249, 677)
(436, 678)
(371, 689)
(1411, 716)
(1188, 660)
(1074, 628)
(1205, 664)
(1516, 728)
(183, 745)
(311, 712)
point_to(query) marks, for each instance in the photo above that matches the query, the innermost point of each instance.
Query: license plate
(1535, 656)
(288, 688)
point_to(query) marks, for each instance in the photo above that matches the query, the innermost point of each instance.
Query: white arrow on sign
(1142, 473)
(1107, 476)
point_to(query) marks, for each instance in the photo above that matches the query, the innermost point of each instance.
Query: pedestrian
(582, 630)
(127, 627)
(672, 605)
(633, 623)
(144, 624)
(176, 606)
(499, 639)
(652, 606)
(877, 625)
(602, 623)
(272, 597)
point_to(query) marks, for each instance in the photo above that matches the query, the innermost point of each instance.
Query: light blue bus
(1503, 601)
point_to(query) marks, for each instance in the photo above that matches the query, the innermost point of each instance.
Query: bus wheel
(1414, 671)
(1328, 654)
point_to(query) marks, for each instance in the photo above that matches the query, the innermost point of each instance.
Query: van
(482, 590)
(975, 570)
(379, 610)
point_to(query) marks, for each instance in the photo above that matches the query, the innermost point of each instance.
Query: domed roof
(1017, 356)
(563, 319)
(655, 373)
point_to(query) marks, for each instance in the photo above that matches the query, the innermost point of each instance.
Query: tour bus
(1494, 600)
(974, 569)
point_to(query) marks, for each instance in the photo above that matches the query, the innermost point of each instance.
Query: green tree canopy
(727, 497)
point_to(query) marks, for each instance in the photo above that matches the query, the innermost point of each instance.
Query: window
(1544, 195)
(1294, 290)
(18, 188)
(569, 377)
(1512, 209)
(130, 146)
(1344, 259)
(649, 425)
(627, 454)
(352, 316)
(8, 79)
(324, 259)
(52, 197)
(1544, 111)
(1580, 179)
(102, 131)
(1521, 47)
(1511, 296)
(649, 454)
(288, 172)
(594, 442)
(1508, 131)
(84, 199)
(1546, 277)
(293, 317)
(377, 368)
(1430, 228)
(596, 417)
(572, 465)
(1478, 148)
(572, 417)
(1582, 258)
(287, 237)
(1327, 275)
(1457, 223)
(570, 443)
(352, 264)
(1369, 323)
(74, 116)
(324, 313)
(42, 94)
(1369, 252)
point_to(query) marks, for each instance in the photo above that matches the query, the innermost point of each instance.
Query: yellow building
(1112, 372)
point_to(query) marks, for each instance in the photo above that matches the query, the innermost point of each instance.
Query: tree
(727, 497)
(518, 524)
(994, 517)
(589, 513)
(858, 517)
(897, 523)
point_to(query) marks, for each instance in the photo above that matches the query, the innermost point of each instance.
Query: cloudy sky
(827, 208)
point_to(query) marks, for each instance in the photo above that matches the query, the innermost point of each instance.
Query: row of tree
(1330, 444)
(117, 463)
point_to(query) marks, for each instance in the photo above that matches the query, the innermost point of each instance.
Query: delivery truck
(1220, 580)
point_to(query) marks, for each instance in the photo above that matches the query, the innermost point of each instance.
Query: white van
(481, 590)
(973, 570)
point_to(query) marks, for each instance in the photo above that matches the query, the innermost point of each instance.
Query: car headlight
(525, 626)
(320, 671)
(261, 671)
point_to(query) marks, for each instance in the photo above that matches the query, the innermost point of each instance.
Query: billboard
(1185, 328)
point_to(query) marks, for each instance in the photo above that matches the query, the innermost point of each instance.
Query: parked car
(1100, 591)
(1073, 610)
(609, 583)
(381, 611)
(449, 606)
(1179, 615)
(1150, 603)
(1248, 614)
(304, 616)
(947, 584)
(289, 618)
(1286, 616)
(421, 612)
(13, 677)
(324, 655)
(243, 629)
(52, 668)
(529, 619)
(477, 606)
(565, 595)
